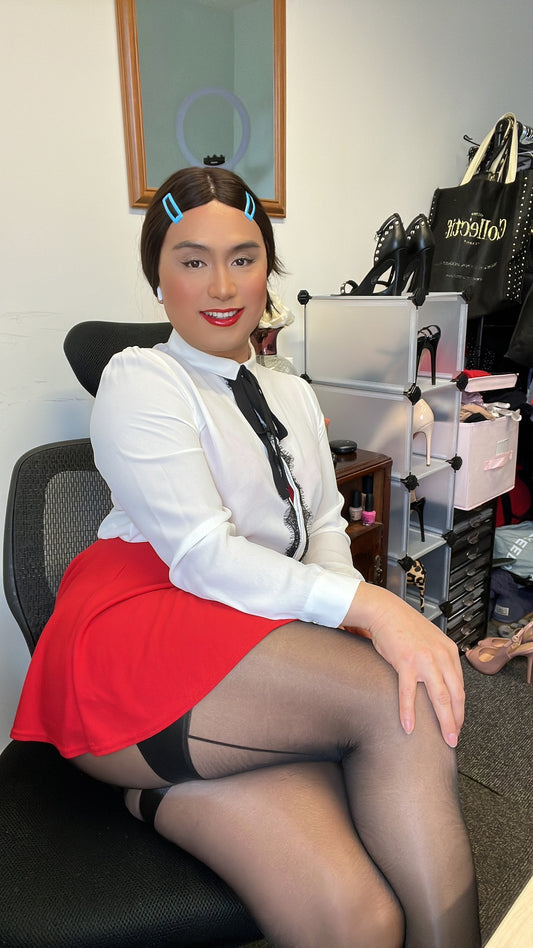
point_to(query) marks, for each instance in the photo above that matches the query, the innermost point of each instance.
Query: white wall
(379, 95)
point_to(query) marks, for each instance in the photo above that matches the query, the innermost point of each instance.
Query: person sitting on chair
(216, 652)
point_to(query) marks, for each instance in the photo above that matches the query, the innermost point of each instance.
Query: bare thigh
(123, 768)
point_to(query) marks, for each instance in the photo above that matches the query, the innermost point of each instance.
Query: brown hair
(192, 187)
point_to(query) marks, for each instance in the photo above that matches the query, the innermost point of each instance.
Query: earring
(159, 294)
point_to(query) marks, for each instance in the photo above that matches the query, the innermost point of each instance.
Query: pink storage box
(488, 449)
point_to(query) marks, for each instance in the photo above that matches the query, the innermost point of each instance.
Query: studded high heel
(389, 263)
(489, 659)
(428, 339)
(420, 250)
(423, 421)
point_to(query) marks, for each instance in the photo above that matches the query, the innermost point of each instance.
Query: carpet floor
(495, 760)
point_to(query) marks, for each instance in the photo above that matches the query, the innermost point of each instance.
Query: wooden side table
(368, 543)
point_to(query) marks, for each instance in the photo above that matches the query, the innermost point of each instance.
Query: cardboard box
(488, 449)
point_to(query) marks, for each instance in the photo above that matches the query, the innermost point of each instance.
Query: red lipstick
(222, 317)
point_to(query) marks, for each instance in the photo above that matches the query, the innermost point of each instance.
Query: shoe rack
(361, 356)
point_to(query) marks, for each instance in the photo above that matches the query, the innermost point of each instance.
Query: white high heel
(423, 421)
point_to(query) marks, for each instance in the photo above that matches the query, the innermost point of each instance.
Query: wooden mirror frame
(140, 194)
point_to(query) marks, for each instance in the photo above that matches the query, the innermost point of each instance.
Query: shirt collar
(195, 358)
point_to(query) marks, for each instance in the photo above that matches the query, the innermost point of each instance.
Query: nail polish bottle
(368, 515)
(355, 509)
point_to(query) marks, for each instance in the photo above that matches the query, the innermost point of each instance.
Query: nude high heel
(490, 659)
(423, 421)
(499, 641)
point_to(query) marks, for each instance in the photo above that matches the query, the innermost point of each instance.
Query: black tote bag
(521, 343)
(482, 228)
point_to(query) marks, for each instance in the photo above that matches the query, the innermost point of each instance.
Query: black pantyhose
(339, 818)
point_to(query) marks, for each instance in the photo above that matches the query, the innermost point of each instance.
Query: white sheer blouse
(189, 476)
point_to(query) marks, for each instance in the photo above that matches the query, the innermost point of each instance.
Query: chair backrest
(56, 502)
(89, 346)
(57, 498)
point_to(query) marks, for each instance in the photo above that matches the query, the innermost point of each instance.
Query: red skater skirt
(126, 653)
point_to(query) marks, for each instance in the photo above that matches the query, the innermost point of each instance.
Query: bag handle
(512, 147)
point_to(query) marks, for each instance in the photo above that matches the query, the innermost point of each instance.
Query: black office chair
(89, 346)
(76, 869)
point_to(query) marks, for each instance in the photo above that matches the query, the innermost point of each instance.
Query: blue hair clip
(249, 210)
(173, 212)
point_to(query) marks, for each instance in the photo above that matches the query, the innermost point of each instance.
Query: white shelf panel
(361, 355)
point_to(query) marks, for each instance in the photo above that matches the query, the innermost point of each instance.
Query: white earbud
(159, 294)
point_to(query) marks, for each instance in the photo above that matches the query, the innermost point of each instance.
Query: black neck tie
(253, 404)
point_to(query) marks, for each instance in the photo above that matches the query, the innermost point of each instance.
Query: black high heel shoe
(428, 338)
(389, 263)
(418, 506)
(420, 250)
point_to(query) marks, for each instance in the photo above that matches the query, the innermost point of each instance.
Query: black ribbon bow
(254, 406)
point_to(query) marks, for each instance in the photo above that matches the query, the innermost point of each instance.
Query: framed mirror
(203, 83)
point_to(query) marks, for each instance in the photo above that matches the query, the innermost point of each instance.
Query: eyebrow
(191, 245)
